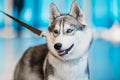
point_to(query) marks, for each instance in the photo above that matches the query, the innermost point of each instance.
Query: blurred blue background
(14, 39)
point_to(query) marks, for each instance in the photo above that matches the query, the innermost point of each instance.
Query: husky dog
(65, 55)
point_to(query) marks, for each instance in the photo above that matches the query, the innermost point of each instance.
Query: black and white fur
(66, 61)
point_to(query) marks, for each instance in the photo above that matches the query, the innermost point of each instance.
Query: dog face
(68, 37)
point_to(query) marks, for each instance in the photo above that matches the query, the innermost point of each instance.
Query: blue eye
(69, 31)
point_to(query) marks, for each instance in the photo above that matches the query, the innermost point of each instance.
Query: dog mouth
(63, 52)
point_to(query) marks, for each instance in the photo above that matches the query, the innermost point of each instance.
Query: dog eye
(55, 31)
(69, 31)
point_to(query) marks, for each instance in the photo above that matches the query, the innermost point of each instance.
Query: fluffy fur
(45, 62)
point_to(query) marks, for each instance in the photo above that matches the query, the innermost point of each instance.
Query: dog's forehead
(62, 20)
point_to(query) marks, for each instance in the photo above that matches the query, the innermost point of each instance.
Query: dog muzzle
(66, 51)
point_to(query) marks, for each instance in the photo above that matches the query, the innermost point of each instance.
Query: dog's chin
(66, 51)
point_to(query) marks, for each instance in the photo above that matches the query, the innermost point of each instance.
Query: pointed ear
(53, 12)
(77, 13)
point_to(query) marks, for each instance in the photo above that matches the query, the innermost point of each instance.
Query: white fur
(70, 70)
(71, 66)
(29, 75)
(81, 41)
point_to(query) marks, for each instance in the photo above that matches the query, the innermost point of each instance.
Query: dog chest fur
(68, 70)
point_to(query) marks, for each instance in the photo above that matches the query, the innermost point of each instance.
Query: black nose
(58, 46)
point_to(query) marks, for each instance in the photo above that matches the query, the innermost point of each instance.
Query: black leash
(31, 28)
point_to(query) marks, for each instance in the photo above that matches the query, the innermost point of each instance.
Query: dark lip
(66, 51)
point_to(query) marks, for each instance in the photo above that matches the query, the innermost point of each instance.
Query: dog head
(68, 37)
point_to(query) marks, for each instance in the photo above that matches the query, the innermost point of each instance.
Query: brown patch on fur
(33, 60)
(49, 70)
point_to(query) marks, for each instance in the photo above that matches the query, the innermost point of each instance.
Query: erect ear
(77, 13)
(53, 12)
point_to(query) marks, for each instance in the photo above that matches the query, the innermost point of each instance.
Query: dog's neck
(68, 70)
(55, 59)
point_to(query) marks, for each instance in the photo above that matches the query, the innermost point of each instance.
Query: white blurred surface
(112, 34)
